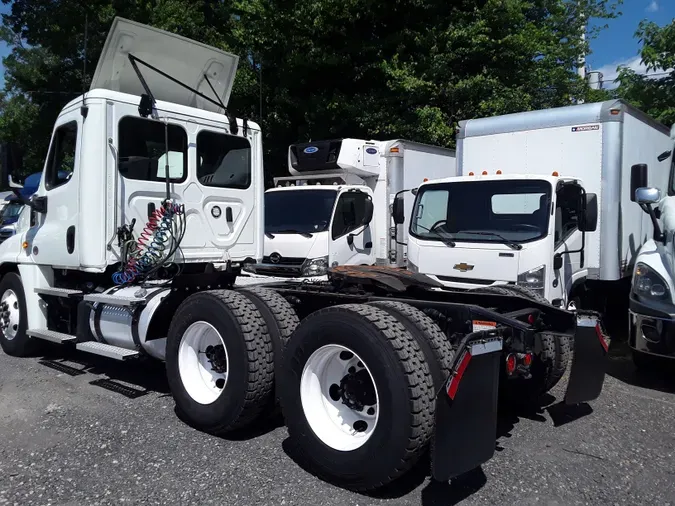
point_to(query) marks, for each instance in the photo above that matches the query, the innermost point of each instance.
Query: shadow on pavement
(660, 376)
(456, 490)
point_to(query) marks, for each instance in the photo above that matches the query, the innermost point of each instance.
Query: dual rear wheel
(356, 383)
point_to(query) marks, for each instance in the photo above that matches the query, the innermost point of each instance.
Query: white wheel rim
(203, 373)
(9, 314)
(334, 421)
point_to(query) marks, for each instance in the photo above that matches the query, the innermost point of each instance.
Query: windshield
(509, 211)
(12, 210)
(298, 211)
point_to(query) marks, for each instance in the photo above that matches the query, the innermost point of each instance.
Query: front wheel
(357, 396)
(13, 318)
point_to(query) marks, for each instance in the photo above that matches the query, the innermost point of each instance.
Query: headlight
(648, 284)
(315, 266)
(534, 279)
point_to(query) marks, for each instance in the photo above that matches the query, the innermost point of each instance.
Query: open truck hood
(177, 56)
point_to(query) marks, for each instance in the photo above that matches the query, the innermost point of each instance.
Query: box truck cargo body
(528, 183)
(335, 208)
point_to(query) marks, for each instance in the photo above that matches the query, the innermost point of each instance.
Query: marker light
(425, 180)
(499, 172)
(555, 173)
(394, 150)
(470, 173)
(510, 363)
(485, 172)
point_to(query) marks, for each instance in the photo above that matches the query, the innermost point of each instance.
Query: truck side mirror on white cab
(589, 221)
(398, 212)
(638, 178)
(647, 195)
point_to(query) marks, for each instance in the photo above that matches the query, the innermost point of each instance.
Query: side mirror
(557, 262)
(368, 216)
(589, 218)
(11, 160)
(638, 178)
(647, 195)
(398, 213)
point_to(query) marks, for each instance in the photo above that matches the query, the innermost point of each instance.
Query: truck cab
(477, 231)
(652, 302)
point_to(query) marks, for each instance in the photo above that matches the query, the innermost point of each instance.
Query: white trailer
(335, 209)
(543, 201)
(133, 251)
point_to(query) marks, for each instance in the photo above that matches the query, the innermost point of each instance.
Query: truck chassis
(370, 368)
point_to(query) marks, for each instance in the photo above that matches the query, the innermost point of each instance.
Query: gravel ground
(66, 440)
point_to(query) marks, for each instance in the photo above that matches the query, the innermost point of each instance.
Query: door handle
(228, 215)
(70, 239)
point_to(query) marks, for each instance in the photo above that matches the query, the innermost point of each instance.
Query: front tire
(14, 318)
(219, 361)
(357, 396)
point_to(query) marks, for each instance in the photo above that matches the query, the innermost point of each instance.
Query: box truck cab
(651, 304)
(543, 201)
(335, 208)
(482, 230)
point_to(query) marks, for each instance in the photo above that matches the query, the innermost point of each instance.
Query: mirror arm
(658, 234)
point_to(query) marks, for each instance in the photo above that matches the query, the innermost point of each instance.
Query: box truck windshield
(507, 212)
(298, 211)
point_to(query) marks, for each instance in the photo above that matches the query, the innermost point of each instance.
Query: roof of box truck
(498, 177)
(597, 112)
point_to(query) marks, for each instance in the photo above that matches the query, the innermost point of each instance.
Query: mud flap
(589, 362)
(466, 412)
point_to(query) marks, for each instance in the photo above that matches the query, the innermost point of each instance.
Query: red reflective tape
(598, 331)
(454, 382)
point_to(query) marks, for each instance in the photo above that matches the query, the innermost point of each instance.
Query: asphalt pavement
(66, 438)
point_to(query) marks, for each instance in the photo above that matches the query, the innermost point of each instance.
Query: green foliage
(654, 95)
(329, 68)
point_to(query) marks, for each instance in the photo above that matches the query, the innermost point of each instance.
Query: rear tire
(550, 362)
(281, 321)
(395, 413)
(14, 318)
(219, 361)
(433, 342)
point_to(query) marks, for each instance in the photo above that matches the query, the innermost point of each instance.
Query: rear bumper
(651, 330)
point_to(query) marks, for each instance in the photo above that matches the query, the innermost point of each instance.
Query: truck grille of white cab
(468, 281)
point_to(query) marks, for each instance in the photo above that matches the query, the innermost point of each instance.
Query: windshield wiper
(270, 235)
(446, 240)
(506, 241)
(293, 231)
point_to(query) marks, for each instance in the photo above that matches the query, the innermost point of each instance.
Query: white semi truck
(542, 201)
(134, 253)
(335, 208)
(652, 303)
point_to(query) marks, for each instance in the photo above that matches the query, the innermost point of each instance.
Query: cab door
(52, 236)
(567, 241)
(351, 238)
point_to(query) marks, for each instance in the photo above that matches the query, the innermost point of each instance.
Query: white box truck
(335, 208)
(543, 201)
(651, 303)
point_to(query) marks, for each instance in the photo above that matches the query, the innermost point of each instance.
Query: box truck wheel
(433, 342)
(550, 362)
(219, 361)
(357, 396)
(13, 318)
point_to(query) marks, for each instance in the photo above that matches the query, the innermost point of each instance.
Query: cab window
(350, 211)
(61, 160)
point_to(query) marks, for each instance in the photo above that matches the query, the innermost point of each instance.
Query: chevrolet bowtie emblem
(463, 267)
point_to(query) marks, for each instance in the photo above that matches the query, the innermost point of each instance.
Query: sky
(614, 46)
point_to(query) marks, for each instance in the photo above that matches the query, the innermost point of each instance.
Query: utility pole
(581, 64)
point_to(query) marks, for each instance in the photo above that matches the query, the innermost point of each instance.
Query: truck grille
(284, 261)
(469, 281)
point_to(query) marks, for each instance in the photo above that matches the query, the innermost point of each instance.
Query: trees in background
(654, 94)
(318, 69)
